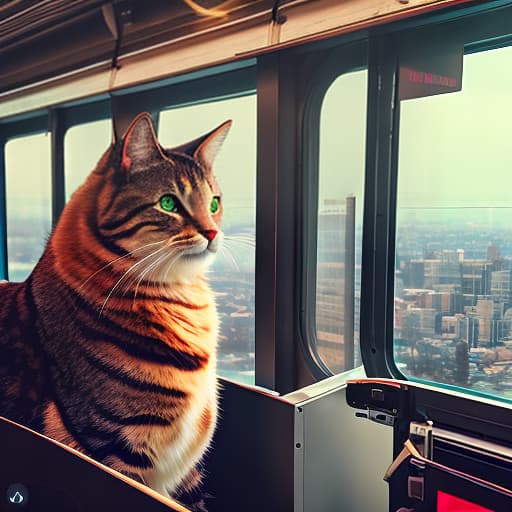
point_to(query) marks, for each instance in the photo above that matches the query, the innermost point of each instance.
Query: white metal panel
(341, 459)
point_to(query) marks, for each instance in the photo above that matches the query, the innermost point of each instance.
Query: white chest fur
(177, 455)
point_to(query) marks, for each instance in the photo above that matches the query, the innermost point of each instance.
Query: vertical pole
(57, 132)
(276, 212)
(266, 222)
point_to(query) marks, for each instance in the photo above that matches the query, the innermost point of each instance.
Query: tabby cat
(109, 345)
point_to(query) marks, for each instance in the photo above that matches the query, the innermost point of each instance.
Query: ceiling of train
(44, 38)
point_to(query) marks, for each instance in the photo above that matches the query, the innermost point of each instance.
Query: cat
(109, 346)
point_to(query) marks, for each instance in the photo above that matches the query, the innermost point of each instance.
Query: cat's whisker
(141, 272)
(131, 253)
(170, 265)
(158, 284)
(226, 252)
(134, 283)
(246, 241)
(125, 275)
(150, 269)
(240, 237)
(173, 254)
(140, 279)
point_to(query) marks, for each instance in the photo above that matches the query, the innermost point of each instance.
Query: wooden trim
(351, 16)
(305, 22)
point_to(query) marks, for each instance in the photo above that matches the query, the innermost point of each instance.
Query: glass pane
(340, 209)
(453, 288)
(232, 275)
(28, 202)
(83, 146)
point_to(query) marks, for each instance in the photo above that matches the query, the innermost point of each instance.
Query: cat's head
(167, 206)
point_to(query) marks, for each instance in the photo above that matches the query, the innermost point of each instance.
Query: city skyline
(453, 306)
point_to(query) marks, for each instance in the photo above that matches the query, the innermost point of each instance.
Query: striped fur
(110, 344)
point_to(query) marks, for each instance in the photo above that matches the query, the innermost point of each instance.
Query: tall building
(415, 274)
(501, 287)
(335, 293)
(489, 321)
(475, 277)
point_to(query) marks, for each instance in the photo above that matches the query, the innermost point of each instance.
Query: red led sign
(421, 77)
(430, 64)
(416, 84)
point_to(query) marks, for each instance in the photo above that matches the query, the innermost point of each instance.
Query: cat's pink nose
(210, 234)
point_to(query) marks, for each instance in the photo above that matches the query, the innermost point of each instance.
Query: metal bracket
(421, 434)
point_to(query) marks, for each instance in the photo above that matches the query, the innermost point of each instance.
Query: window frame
(377, 315)
(341, 60)
(285, 128)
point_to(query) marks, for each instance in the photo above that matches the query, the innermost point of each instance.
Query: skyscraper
(335, 284)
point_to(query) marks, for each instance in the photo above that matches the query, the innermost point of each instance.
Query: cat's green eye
(168, 203)
(215, 204)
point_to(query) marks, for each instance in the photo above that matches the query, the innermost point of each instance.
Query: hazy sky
(84, 145)
(455, 149)
(342, 139)
(28, 180)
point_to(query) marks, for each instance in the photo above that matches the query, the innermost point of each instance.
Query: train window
(340, 206)
(232, 275)
(28, 202)
(83, 146)
(453, 286)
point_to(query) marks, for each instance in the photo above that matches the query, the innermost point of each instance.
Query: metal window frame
(275, 223)
(377, 313)
(376, 317)
(346, 57)
(289, 103)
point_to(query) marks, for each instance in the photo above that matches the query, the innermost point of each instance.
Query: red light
(420, 77)
(448, 503)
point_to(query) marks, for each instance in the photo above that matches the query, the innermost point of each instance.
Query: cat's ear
(205, 148)
(140, 147)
